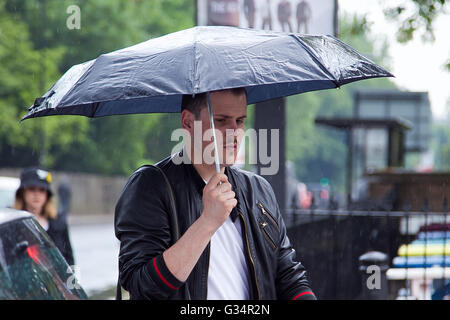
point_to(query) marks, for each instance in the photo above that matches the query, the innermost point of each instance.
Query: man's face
(229, 114)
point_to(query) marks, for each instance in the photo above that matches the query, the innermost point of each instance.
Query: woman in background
(35, 196)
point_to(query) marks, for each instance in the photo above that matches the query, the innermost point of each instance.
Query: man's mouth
(231, 146)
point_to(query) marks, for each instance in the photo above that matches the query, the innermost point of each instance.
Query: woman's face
(35, 198)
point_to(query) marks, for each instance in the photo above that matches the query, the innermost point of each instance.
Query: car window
(31, 267)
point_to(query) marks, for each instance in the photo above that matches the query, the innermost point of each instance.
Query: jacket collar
(231, 174)
(192, 174)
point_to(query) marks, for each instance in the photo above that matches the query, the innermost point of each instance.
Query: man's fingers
(224, 187)
(215, 179)
(226, 196)
(231, 202)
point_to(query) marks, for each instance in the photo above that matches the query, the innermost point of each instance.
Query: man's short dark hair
(196, 103)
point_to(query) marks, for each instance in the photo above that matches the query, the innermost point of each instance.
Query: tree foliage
(416, 16)
(37, 47)
(20, 83)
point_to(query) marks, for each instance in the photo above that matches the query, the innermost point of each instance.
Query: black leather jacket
(142, 226)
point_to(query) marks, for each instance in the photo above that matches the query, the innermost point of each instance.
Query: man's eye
(220, 120)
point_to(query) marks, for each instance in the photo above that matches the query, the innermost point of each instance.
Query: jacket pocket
(268, 215)
(263, 227)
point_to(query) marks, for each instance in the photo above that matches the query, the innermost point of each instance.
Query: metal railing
(330, 242)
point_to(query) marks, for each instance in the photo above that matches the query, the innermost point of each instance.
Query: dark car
(31, 267)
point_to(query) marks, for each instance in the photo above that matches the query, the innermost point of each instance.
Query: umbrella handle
(211, 121)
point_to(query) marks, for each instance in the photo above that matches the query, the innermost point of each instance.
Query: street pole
(272, 115)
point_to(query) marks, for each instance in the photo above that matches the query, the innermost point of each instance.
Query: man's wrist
(206, 225)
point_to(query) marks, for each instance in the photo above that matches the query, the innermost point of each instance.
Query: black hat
(34, 177)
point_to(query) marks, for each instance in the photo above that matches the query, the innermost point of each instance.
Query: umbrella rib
(94, 109)
(76, 82)
(363, 57)
(194, 49)
(335, 81)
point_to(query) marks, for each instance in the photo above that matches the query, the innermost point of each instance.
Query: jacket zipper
(250, 255)
(268, 215)
(263, 228)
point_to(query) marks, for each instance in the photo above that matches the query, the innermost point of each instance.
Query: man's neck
(206, 171)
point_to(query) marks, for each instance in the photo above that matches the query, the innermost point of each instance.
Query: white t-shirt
(228, 272)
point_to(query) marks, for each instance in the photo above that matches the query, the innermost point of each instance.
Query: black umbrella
(152, 76)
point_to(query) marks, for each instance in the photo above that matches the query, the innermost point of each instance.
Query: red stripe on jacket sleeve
(302, 294)
(161, 276)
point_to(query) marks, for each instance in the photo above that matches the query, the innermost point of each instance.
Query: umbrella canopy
(152, 76)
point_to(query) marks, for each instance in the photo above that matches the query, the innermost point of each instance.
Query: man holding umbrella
(188, 231)
(233, 242)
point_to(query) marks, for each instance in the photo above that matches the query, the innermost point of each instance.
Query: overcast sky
(417, 66)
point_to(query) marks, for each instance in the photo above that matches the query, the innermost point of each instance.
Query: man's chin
(224, 165)
(229, 160)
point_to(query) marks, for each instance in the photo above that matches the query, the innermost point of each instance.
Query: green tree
(114, 145)
(111, 145)
(417, 17)
(20, 70)
(104, 25)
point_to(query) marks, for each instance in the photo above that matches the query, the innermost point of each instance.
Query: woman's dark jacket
(59, 233)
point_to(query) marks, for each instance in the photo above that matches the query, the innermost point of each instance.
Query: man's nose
(233, 126)
(237, 125)
(233, 130)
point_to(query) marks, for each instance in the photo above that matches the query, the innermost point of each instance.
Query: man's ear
(187, 120)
